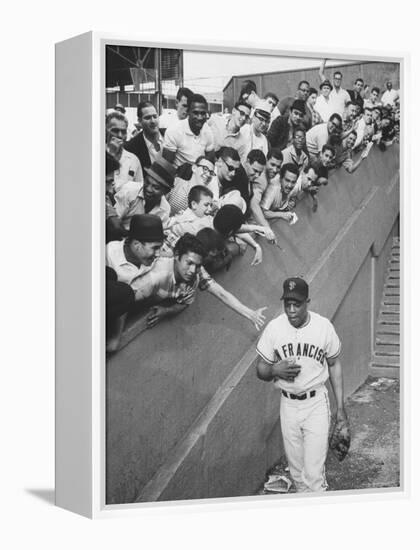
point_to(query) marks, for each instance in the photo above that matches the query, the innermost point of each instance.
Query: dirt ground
(374, 457)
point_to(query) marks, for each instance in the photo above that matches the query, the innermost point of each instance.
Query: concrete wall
(285, 83)
(186, 415)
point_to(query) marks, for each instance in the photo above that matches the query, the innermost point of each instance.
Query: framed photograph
(228, 274)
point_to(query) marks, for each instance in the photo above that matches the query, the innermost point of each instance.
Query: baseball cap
(146, 228)
(295, 288)
(264, 108)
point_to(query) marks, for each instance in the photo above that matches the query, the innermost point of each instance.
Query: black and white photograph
(252, 251)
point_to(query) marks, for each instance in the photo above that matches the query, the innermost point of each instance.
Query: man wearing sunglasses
(226, 131)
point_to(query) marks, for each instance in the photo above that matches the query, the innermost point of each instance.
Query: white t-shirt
(187, 147)
(338, 100)
(316, 138)
(311, 345)
(324, 107)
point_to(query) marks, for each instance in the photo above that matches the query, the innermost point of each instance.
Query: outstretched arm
(321, 73)
(255, 316)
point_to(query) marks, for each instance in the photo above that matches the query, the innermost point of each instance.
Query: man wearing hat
(135, 255)
(280, 134)
(302, 93)
(254, 133)
(323, 104)
(339, 97)
(127, 260)
(299, 351)
(150, 198)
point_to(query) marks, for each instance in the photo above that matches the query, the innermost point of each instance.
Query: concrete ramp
(186, 415)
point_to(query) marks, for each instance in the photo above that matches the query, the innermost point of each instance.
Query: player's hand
(156, 314)
(258, 256)
(287, 369)
(258, 318)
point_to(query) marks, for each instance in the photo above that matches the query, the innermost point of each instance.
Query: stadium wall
(187, 417)
(285, 83)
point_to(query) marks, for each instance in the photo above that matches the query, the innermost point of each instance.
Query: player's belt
(301, 397)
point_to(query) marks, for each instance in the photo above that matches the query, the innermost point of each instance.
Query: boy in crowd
(203, 173)
(172, 284)
(195, 217)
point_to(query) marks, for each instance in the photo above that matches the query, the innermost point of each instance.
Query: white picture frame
(80, 332)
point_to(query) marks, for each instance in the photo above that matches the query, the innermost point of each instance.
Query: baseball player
(299, 350)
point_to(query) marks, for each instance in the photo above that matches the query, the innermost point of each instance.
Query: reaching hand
(268, 233)
(258, 256)
(258, 318)
(156, 314)
(288, 216)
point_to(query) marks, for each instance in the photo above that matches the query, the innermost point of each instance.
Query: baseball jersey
(311, 345)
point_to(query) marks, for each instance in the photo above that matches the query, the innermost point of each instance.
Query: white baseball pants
(305, 425)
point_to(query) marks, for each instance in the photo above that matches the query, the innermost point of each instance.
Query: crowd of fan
(185, 195)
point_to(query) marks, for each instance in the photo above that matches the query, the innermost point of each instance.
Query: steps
(386, 356)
